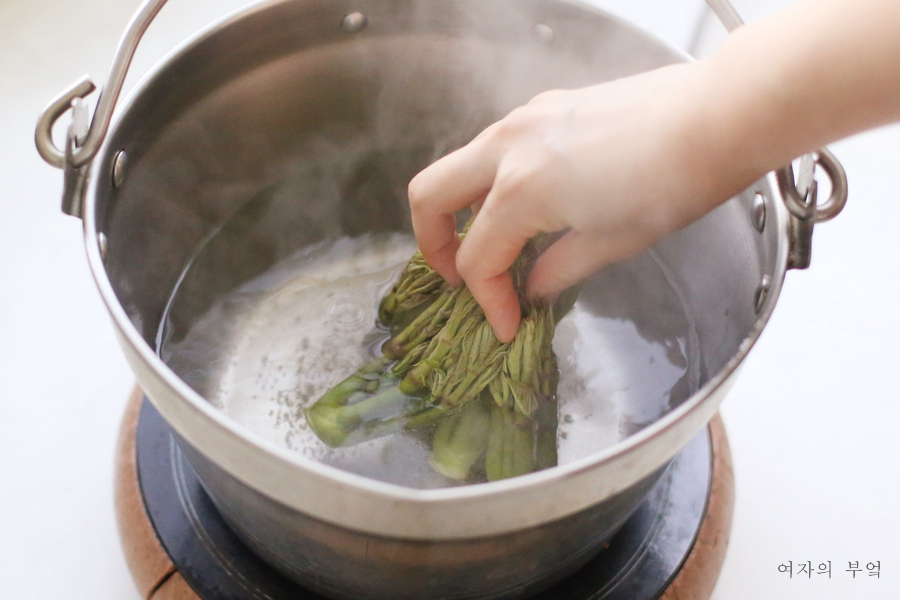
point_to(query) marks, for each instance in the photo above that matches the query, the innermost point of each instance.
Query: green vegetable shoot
(485, 406)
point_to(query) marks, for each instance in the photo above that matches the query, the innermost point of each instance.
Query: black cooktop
(638, 564)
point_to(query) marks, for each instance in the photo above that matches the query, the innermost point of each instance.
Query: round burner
(178, 547)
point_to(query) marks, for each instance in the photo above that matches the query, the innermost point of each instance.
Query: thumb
(577, 255)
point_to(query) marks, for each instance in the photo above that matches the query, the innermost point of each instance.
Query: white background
(813, 420)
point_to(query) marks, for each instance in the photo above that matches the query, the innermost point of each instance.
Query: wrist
(759, 98)
(739, 119)
(706, 140)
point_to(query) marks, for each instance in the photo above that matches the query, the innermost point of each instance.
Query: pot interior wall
(294, 131)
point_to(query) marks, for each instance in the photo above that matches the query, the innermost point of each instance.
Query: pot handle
(83, 142)
(87, 145)
(800, 197)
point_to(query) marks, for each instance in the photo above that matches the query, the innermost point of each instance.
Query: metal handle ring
(105, 104)
(804, 206)
(825, 211)
(57, 107)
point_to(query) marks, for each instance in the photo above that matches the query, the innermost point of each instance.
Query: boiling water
(268, 349)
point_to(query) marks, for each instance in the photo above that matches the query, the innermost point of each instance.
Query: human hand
(616, 166)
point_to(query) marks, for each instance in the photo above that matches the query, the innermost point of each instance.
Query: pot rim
(393, 496)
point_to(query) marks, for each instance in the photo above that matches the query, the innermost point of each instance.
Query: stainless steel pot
(258, 95)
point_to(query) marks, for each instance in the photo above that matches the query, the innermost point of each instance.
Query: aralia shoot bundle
(490, 405)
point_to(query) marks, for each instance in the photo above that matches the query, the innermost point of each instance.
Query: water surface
(264, 351)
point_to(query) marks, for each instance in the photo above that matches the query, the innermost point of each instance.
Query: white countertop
(813, 420)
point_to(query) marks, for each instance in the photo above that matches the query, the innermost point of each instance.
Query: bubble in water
(347, 312)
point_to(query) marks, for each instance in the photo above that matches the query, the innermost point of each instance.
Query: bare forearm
(818, 72)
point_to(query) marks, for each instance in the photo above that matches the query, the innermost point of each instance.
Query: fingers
(487, 276)
(452, 183)
(577, 255)
(493, 243)
(498, 298)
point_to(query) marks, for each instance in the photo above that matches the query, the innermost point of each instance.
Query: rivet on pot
(103, 243)
(762, 293)
(120, 162)
(758, 212)
(544, 33)
(354, 22)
